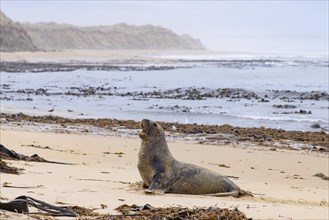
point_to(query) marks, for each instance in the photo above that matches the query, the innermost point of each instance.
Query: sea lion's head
(150, 129)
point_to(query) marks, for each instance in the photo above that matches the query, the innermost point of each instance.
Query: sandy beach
(99, 55)
(106, 167)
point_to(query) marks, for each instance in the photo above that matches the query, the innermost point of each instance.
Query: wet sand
(283, 180)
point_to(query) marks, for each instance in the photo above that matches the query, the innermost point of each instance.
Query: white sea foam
(283, 119)
(288, 58)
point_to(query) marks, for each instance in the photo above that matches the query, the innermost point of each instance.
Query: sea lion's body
(160, 171)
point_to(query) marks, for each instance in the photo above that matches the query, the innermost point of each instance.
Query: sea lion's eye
(154, 124)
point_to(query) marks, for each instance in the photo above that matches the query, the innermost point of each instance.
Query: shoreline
(145, 60)
(102, 175)
(160, 55)
(193, 133)
(96, 55)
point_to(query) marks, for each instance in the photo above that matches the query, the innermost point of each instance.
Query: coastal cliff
(53, 36)
(13, 37)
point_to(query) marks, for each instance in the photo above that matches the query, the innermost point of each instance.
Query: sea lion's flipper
(232, 193)
(145, 186)
(160, 192)
(246, 193)
(157, 184)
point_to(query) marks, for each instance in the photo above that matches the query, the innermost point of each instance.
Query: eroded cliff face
(52, 36)
(13, 37)
(16, 36)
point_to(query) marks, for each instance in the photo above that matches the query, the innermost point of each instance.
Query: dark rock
(315, 125)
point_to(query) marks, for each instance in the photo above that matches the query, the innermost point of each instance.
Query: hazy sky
(252, 26)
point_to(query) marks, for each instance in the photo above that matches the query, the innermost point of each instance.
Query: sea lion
(162, 173)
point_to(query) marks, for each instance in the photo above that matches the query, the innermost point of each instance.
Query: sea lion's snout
(144, 126)
(150, 129)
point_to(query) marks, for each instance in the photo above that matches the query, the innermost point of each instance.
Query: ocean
(289, 93)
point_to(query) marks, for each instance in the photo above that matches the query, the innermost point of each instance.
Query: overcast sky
(252, 26)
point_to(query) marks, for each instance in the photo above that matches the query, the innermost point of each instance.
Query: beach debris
(5, 153)
(322, 176)
(219, 136)
(9, 185)
(220, 165)
(223, 165)
(281, 171)
(6, 184)
(295, 187)
(119, 154)
(149, 212)
(41, 147)
(4, 168)
(295, 176)
(103, 206)
(323, 202)
(82, 211)
(21, 205)
(137, 186)
(274, 137)
(233, 177)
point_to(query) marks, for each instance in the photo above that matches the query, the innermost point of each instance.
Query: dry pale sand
(282, 180)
